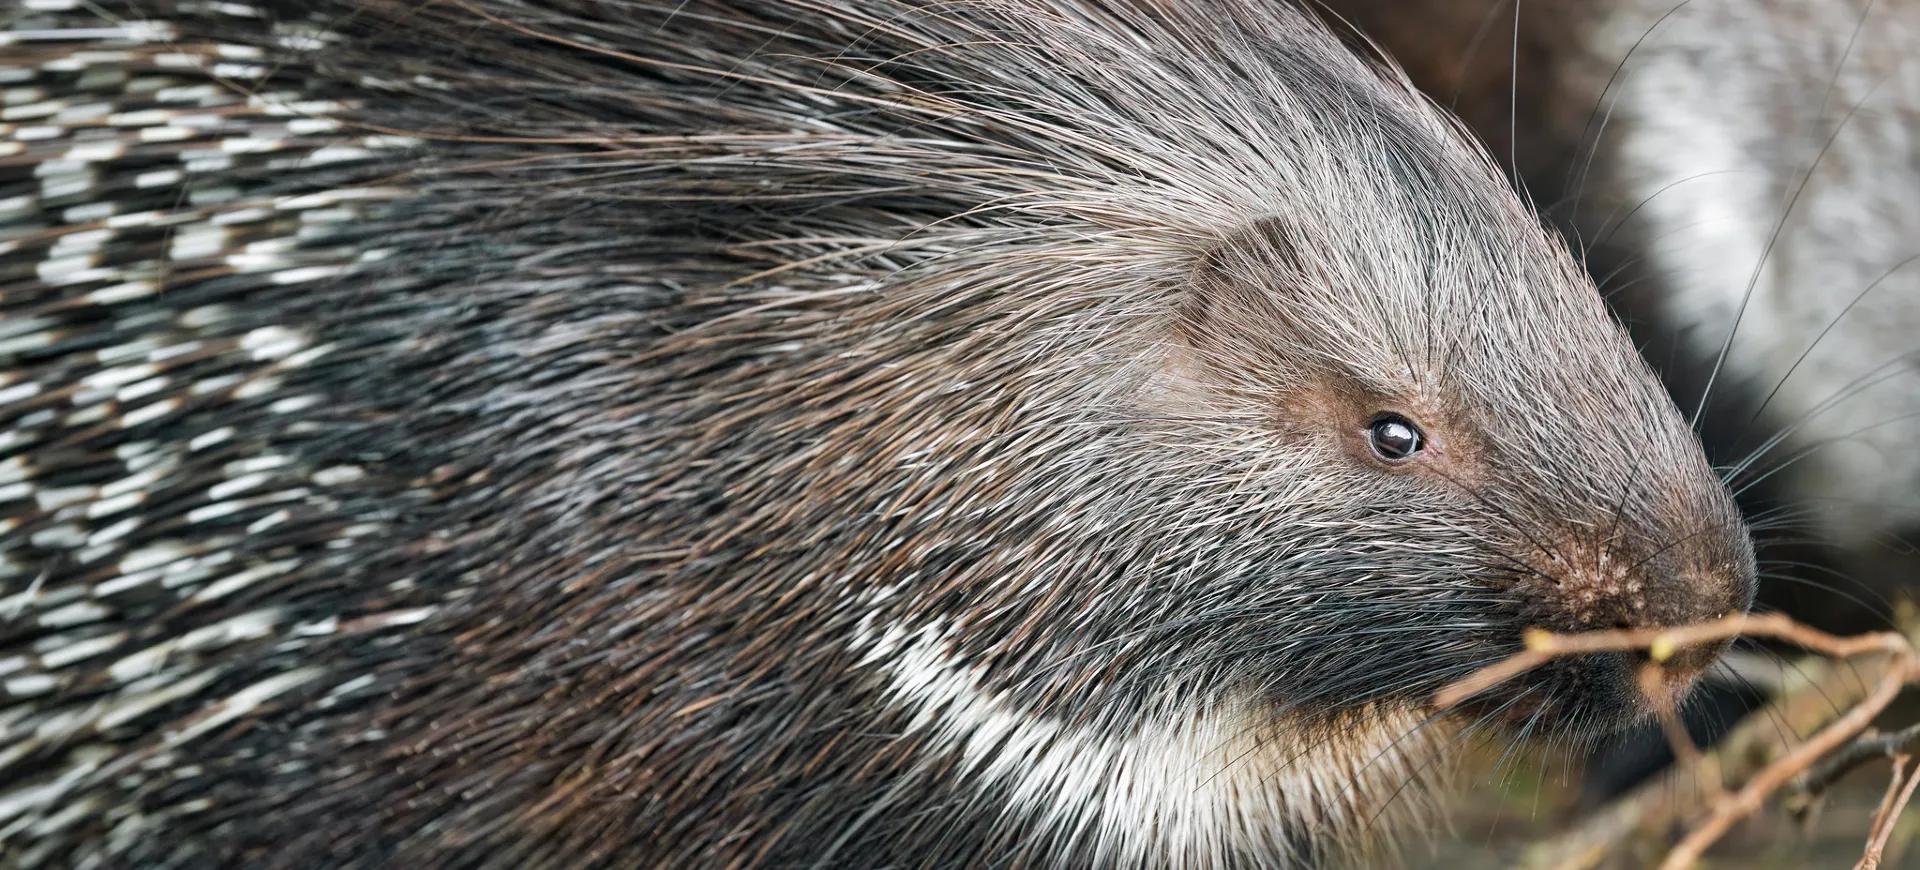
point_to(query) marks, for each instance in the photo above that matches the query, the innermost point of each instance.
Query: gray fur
(680, 435)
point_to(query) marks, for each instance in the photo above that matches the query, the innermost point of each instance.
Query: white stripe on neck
(1193, 792)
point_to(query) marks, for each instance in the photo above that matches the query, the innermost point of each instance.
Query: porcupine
(1740, 175)
(1048, 433)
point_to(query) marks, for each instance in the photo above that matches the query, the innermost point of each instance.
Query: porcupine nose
(1671, 584)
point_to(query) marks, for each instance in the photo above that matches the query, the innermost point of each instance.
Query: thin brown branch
(1751, 796)
(1653, 685)
(1724, 808)
(1889, 814)
(1661, 644)
(1893, 790)
(1811, 693)
(1865, 748)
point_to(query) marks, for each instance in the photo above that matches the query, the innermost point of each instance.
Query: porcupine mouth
(1583, 697)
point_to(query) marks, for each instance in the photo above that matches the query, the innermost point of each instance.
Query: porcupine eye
(1394, 437)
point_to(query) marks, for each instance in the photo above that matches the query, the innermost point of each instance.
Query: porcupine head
(1038, 433)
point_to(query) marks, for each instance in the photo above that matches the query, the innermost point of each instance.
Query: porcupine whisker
(1866, 380)
(1322, 742)
(1832, 322)
(1814, 448)
(1783, 517)
(1387, 689)
(1880, 604)
(1514, 523)
(1779, 226)
(1619, 512)
(1423, 676)
(1790, 663)
(1513, 109)
(1775, 717)
(1473, 728)
(1519, 738)
(1591, 143)
(1612, 225)
(1163, 629)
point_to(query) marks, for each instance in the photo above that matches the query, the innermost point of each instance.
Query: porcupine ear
(1232, 322)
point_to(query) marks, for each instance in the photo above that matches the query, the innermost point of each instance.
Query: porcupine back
(496, 434)
(190, 529)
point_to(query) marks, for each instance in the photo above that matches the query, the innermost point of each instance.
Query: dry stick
(1653, 680)
(1863, 749)
(1748, 799)
(1893, 789)
(1884, 817)
(1813, 693)
(1662, 643)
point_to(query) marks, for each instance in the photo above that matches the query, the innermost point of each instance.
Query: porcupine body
(779, 434)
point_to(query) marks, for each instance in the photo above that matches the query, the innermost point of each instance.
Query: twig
(1661, 644)
(1653, 684)
(1893, 790)
(1809, 694)
(1749, 798)
(1883, 821)
(1863, 749)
